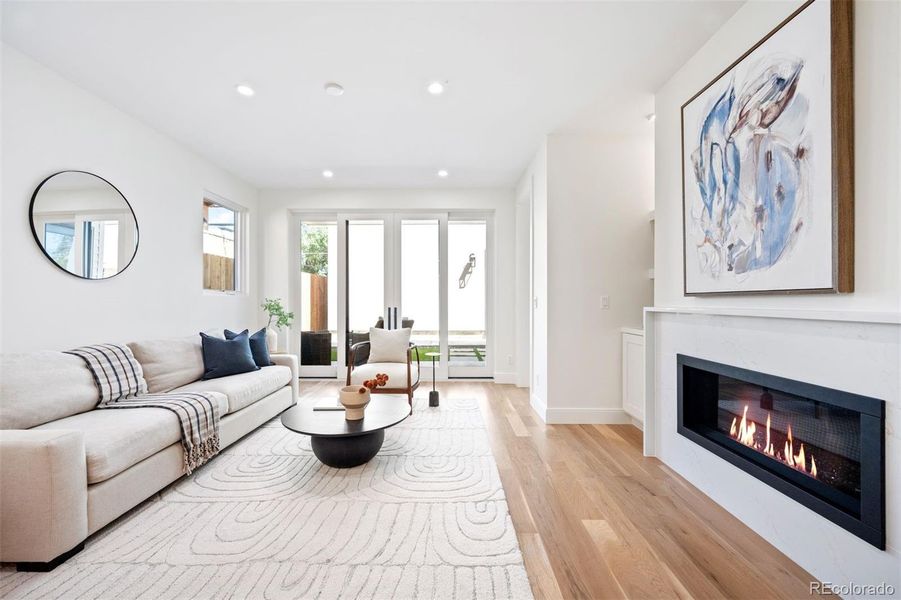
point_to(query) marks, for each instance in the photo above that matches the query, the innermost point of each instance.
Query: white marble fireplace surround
(854, 352)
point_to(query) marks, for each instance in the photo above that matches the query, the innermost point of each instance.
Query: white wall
(593, 234)
(51, 125)
(877, 124)
(76, 200)
(523, 257)
(535, 183)
(276, 207)
(599, 244)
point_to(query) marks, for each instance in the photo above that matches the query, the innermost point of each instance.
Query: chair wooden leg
(410, 398)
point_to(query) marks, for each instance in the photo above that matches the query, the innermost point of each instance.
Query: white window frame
(79, 219)
(242, 250)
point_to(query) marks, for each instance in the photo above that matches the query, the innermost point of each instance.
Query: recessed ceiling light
(244, 90)
(328, 174)
(334, 89)
(442, 173)
(651, 117)
(436, 88)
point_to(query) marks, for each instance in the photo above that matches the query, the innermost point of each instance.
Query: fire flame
(745, 432)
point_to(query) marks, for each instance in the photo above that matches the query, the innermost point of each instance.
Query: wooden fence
(218, 273)
(318, 302)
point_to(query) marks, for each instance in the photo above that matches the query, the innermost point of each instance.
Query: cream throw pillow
(388, 345)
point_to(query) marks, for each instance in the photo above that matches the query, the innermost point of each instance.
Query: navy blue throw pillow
(226, 357)
(259, 347)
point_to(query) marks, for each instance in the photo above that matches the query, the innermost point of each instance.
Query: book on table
(327, 404)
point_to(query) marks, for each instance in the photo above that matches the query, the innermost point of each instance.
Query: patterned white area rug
(426, 518)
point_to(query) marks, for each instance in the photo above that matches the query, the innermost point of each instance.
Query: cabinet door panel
(633, 375)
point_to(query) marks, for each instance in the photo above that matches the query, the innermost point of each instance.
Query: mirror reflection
(84, 225)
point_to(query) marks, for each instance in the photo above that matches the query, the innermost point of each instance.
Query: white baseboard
(504, 377)
(538, 406)
(594, 416)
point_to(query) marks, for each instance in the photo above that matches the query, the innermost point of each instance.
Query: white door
(468, 298)
(429, 271)
(442, 288)
(420, 284)
(366, 289)
(315, 276)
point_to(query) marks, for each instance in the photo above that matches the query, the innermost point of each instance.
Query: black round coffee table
(340, 443)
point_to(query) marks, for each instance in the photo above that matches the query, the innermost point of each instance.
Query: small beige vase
(353, 401)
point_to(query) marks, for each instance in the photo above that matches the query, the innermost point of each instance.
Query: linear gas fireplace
(821, 447)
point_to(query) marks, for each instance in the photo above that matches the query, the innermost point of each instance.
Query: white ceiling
(516, 72)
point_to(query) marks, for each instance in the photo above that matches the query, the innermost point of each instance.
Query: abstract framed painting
(768, 164)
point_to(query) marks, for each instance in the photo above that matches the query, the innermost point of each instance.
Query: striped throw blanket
(121, 381)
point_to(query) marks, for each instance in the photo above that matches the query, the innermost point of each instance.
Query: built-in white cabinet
(633, 373)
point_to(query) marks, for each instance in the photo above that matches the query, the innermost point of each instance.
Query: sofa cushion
(388, 345)
(224, 357)
(259, 347)
(38, 387)
(169, 363)
(116, 439)
(243, 389)
(396, 372)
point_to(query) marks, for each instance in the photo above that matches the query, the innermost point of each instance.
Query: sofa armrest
(290, 361)
(43, 494)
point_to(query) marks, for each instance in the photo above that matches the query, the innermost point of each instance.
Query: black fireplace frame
(867, 520)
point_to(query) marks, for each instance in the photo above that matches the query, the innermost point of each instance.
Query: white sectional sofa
(67, 470)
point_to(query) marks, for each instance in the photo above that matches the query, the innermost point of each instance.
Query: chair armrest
(352, 358)
(290, 361)
(414, 347)
(43, 494)
(357, 346)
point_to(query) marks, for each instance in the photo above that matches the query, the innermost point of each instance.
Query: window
(59, 241)
(85, 244)
(101, 248)
(221, 226)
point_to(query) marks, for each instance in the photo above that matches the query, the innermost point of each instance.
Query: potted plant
(282, 318)
(354, 398)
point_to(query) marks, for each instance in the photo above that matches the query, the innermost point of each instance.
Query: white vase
(272, 339)
(354, 401)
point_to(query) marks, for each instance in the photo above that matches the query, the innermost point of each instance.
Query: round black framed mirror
(84, 224)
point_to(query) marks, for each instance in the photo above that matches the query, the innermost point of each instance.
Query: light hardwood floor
(596, 519)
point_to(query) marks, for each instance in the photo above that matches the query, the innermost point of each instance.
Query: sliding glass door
(427, 271)
(365, 277)
(419, 297)
(467, 298)
(316, 301)
(394, 276)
